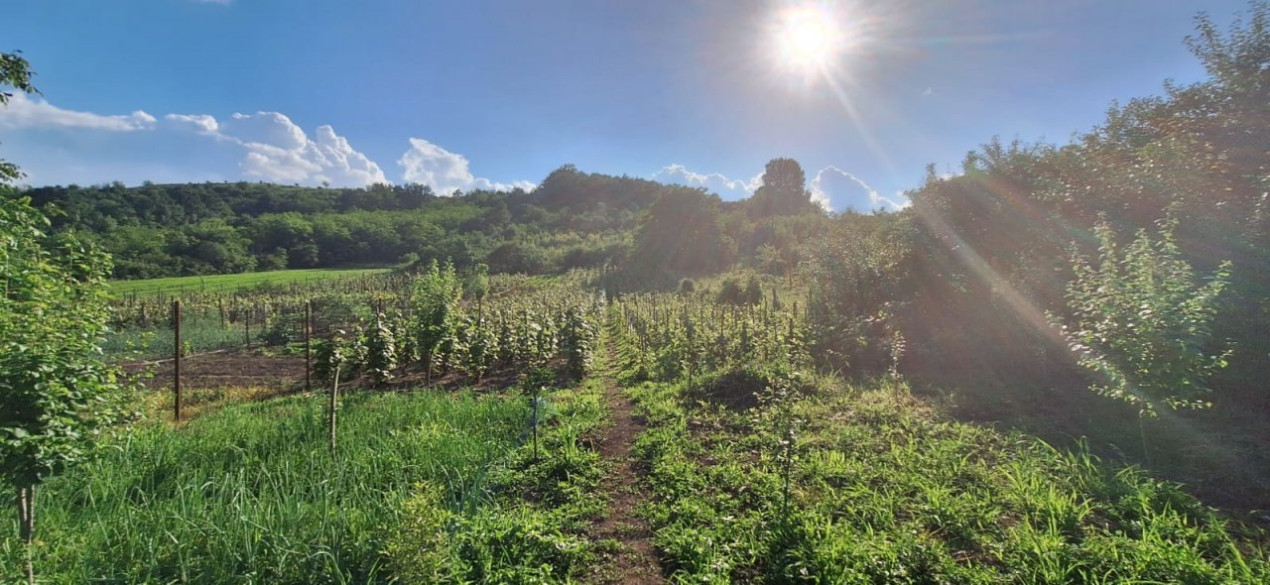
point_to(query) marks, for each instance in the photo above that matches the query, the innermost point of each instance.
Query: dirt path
(634, 561)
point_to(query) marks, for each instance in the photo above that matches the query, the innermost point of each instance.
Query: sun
(808, 38)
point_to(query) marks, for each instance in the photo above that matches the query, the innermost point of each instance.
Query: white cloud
(836, 189)
(831, 188)
(200, 122)
(428, 164)
(25, 112)
(341, 155)
(279, 150)
(265, 145)
(677, 174)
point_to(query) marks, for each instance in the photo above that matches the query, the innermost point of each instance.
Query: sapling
(57, 393)
(532, 385)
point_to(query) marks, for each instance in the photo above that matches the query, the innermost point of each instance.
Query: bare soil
(635, 560)
(226, 369)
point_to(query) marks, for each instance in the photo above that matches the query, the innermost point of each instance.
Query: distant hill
(573, 219)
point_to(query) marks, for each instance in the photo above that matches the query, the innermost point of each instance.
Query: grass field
(228, 282)
(425, 487)
(866, 484)
(251, 493)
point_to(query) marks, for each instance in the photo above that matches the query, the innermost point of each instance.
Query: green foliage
(279, 333)
(516, 258)
(682, 235)
(578, 336)
(753, 291)
(784, 191)
(1142, 324)
(56, 391)
(478, 283)
(381, 351)
(252, 490)
(15, 72)
(730, 292)
(687, 287)
(436, 299)
(329, 357)
(535, 530)
(868, 485)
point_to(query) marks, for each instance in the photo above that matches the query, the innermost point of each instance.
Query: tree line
(572, 220)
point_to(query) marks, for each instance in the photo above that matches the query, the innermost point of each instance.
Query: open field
(662, 453)
(229, 282)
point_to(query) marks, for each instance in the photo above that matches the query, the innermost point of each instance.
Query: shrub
(1141, 323)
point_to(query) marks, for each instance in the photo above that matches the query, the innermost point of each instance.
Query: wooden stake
(308, 346)
(176, 377)
(26, 526)
(335, 392)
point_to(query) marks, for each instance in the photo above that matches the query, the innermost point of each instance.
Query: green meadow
(174, 286)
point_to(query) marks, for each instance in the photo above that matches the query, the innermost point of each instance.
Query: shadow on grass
(1220, 455)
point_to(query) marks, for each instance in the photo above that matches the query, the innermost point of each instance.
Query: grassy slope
(225, 282)
(883, 490)
(869, 484)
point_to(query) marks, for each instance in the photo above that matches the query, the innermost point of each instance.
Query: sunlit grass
(174, 286)
(252, 491)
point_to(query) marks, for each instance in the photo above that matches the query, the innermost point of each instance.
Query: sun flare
(808, 38)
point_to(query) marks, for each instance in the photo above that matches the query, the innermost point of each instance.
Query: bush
(1141, 323)
(730, 292)
(753, 291)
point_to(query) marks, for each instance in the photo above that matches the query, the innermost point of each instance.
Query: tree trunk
(26, 526)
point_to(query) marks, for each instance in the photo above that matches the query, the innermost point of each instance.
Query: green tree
(784, 190)
(56, 391)
(15, 73)
(683, 235)
(1141, 322)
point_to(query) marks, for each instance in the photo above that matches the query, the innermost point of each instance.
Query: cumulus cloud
(677, 174)
(27, 112)
(279, 150)
(446, 172)
(265, 145)
(199, 122)
(836, 189)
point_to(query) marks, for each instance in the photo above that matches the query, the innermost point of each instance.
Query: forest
(1049, 367)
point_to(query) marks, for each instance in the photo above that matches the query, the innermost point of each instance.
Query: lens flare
(808, 38)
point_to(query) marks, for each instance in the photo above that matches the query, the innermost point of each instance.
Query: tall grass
(251, 493)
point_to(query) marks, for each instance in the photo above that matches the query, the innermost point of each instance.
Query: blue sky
(494, 94)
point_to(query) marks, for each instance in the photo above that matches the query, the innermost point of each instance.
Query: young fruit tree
(57, 393)
(1142, 323)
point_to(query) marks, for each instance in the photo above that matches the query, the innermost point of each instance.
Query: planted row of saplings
(235, 306)
(474, 343)
(670, 337)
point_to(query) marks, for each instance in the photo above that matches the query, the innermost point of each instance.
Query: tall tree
(784, 190)
(683, 234)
